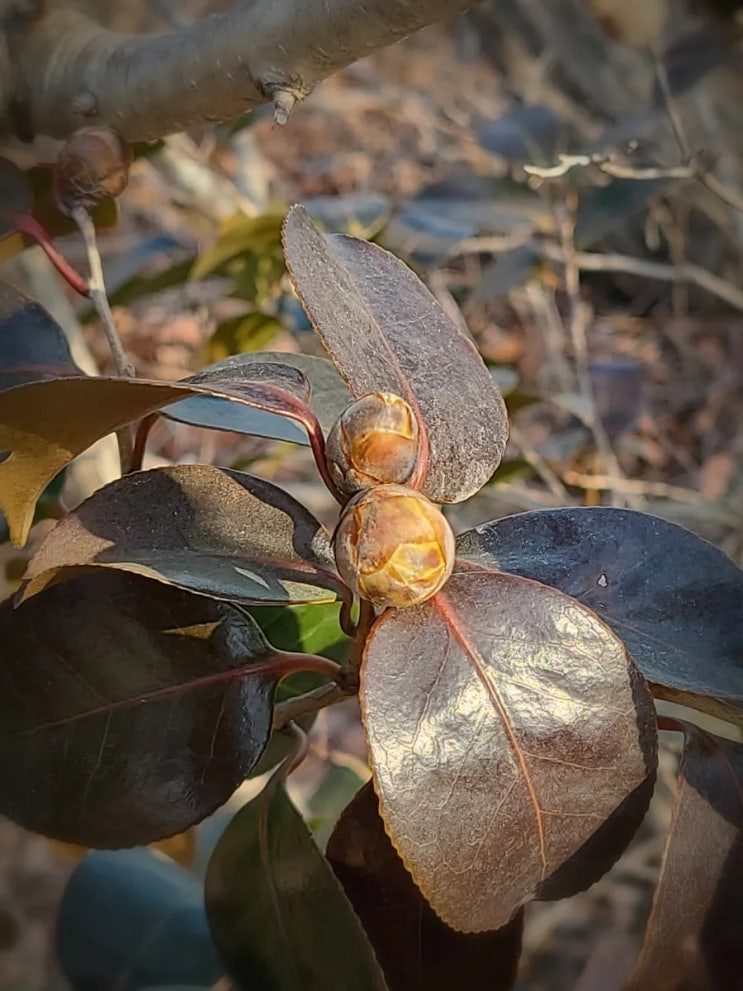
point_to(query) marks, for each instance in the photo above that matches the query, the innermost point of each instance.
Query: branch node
(84, 104)
(284, 102)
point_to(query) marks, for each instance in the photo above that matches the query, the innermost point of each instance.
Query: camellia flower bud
(373, 442)
(92, 164)
(393, 546)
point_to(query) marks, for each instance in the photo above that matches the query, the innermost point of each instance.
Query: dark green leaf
(292, 927)
(32, 344)
(209, 530)
(674, 599)
(430, 226)
(692, 941)
(16, 195)
(417, 951)
(529, 133)
(507, 271)
(127, 710)
(505, 724)
(386, 332)
(604, 208)
(130, 918)
(341, 783)
(328, 398)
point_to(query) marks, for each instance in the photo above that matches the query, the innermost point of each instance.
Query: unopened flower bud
(374, 442)
(93, 164)
(393, 546)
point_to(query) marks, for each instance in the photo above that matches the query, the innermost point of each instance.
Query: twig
(540, 466)
(588, 261)
(656, 490)
(577, 322)
(97, 292)
(305, 705)
(99, 299)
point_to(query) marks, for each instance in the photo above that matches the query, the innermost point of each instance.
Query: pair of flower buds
(393, 546)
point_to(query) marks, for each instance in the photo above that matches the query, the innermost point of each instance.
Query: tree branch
(72, 72)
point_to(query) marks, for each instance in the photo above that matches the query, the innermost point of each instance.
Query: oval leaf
(673, 599)
(44, 425)
(386, 332)
(292, 927)
(32, 344)
(328, 398)
(129, 919)
(209, 530)
(505, 724)
(16, 195)
(417, 951)
(693, 934)
(128, 711)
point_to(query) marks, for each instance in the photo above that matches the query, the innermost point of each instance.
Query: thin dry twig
(305, 705)
(588, 261)
(540, 466)
(653, 490)
(566, 211)
(99, 299)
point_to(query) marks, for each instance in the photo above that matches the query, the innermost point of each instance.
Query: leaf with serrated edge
(127, 709)
(671, 597)
(209, 530)
(386, 333)
(505, 723)
(693, 934)
(44, 425)
(293, 928)
(417, 951)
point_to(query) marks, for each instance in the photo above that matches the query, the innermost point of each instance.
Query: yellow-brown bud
(393, 546)
(373, 442)
(92, 164)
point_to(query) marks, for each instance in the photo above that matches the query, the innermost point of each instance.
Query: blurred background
(568, 181)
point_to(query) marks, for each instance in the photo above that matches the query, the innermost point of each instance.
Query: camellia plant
(153, 657)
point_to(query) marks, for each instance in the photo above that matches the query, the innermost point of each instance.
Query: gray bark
(60, 70)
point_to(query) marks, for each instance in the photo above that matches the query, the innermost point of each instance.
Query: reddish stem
(27, 224)
(281, 665)
(140, 440)
(317, 443)
(418, 479)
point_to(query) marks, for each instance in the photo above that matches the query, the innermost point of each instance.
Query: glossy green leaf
(131, 918)
(386, 332)
(129, 706)
(32, 344)
(505, 724)
(209, 530)
(693, 939)
(417, 951)
(673, 599)
(277, 913)
(44, 425)
(327, 399)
